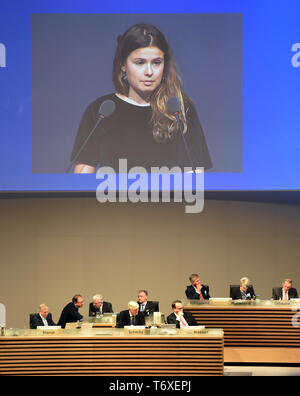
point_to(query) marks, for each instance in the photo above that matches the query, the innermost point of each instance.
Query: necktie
(142, 307)
(132, 320)
(285, 296)
(182, 321)
(201, 296)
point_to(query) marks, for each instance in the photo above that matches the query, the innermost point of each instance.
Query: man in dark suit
(70, 312)
(286, 292)
(179, 317)
(42, 318)
(145, 306)
(197, 291)
(99, 306)
(131, 316)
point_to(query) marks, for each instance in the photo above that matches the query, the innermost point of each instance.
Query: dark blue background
(271, 116)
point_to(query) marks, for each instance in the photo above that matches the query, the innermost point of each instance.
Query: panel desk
(265, 332)
(111, 352)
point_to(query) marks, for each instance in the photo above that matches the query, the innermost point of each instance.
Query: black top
(191, 321)
(36, 320)
(106, 308)
(127, 133)
(237, 294)
(193, 295)
(124, 319)
(68, 315)
(278, 293)
(149, 308)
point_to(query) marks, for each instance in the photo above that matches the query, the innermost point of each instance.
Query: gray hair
(133, 305)
(98, 297)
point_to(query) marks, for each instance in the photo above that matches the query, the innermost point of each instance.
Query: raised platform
(254, 333)
(109, 352)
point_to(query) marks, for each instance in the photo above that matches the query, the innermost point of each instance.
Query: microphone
(105, 110)
(174, 108)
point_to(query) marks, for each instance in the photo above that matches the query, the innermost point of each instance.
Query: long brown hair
(145, 35)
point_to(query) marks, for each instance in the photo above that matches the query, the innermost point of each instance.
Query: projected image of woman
(141, 129)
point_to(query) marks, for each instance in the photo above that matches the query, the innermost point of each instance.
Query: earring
(124, 76)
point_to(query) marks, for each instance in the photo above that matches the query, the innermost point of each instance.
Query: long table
(254, 333)
(110, 352)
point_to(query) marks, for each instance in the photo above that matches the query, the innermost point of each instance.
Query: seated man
(179, 317)
(286, 292)
(145, 306)
(99, 306)
(245, 292)
(70, 312)
(42, 318)
(131, 316)
(197, 291)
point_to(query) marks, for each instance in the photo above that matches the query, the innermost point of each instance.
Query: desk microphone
(106, 109)
(174, 108)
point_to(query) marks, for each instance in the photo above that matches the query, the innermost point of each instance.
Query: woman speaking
(142, 128)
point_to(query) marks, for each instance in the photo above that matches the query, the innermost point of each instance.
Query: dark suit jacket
(193, 295)
(124, 319)
(191, 321)
(106, 308)
(149, 308)
(277, 293)
(236, 294)
(36, 320)
(69, 314)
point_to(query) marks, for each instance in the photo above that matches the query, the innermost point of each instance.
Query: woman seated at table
(244, 292)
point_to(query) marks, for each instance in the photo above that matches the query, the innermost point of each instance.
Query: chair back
(31, 316)
(156, 305)
(233, 289)
(276, 291)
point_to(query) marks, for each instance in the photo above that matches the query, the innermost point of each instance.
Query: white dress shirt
(283, 295)
(44, 320)
(181, 320)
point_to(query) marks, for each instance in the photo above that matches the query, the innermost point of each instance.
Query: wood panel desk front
(265, 333)
(109, 352)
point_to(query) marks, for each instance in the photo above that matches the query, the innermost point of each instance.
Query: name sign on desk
(197, 302)
(134, 330)
(195, 330)
(48, 329)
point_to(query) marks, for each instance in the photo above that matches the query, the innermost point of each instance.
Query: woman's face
(144, 69)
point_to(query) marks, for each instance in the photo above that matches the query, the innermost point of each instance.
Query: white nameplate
(48, 329)
(192, 330)
(134, 330)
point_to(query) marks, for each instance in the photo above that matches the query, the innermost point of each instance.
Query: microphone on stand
(174, 108)
(106, 109)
